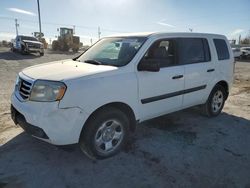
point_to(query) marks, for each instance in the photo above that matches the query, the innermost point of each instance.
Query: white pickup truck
(97, 98)
(27, 44)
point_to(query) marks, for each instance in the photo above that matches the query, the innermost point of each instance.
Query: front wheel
(105, 133)
(23, 52)
(215, 102)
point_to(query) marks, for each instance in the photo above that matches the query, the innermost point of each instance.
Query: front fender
(91, 94)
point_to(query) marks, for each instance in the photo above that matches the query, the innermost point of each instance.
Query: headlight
(47, 91)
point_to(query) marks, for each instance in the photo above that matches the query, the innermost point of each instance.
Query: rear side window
(222, 49)
(193, 50)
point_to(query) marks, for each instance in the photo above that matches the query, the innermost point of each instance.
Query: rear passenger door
(195, 56)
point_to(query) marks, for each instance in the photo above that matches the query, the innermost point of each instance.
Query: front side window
(221, 49)
(163, 52)
(117, 51)
(193, 50)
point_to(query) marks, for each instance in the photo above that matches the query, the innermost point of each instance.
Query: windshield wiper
(75, 59)
(92, 61)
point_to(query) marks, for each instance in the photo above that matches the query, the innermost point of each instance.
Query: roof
(25, 36)
(158, 34)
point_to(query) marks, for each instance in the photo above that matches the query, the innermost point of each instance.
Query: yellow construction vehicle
(41, 39)
(66, 40)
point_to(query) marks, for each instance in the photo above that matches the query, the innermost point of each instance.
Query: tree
(245, 40)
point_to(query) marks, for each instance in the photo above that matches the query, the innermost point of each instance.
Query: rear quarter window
(221, 49)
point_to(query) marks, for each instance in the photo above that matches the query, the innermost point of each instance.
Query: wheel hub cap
(109, 136)
(217, 101)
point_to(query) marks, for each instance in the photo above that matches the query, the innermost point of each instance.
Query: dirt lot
(183, 149)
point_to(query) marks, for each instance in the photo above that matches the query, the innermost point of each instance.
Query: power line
(65, 24)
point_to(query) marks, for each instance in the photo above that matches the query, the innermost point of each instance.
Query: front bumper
(34, 50)
(46, 121)
(18, 118)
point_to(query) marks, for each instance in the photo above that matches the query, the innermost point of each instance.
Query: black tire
(210, 108)
(12, 48)
(23, 50)
(55, 45)
(41, 54)
(97, 129)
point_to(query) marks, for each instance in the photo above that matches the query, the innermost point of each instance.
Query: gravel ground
(183, 149)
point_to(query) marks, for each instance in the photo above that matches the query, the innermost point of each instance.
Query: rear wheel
(215, 102)
(12, 48)
(105, 133)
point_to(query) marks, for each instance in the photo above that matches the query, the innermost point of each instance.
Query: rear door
(199, 70)
(159, 92)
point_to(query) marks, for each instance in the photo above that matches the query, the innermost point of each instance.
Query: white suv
(97, 98)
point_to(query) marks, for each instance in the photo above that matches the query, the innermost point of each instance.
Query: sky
(227, 17)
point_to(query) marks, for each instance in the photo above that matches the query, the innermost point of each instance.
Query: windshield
(117, 51)
(28, 38)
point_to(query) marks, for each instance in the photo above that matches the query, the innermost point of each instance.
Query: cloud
(161, 22)
(21, 11)
(7, 36)
(236, 32)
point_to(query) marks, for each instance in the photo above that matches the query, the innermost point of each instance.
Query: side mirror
(150, 65)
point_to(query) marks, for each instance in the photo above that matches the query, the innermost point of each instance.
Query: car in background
(245, 52)
(237, 52)
(27, 44)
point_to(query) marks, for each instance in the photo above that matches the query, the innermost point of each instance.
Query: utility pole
(17, 25)
(74, 29)
(99, 32)
(91, 41)
(40, 28)
(239, 39)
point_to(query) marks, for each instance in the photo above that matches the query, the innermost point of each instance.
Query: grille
(24, 88)
(31, 45)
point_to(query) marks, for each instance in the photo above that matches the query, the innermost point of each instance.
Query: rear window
(222, 49)
(193, 50)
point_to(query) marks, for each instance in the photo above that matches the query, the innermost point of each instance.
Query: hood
(63, 70)
(31, 41)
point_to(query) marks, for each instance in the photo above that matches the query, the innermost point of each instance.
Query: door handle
(177, 77)
(210, 70)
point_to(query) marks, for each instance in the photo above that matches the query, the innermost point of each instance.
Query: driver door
(160, 92)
